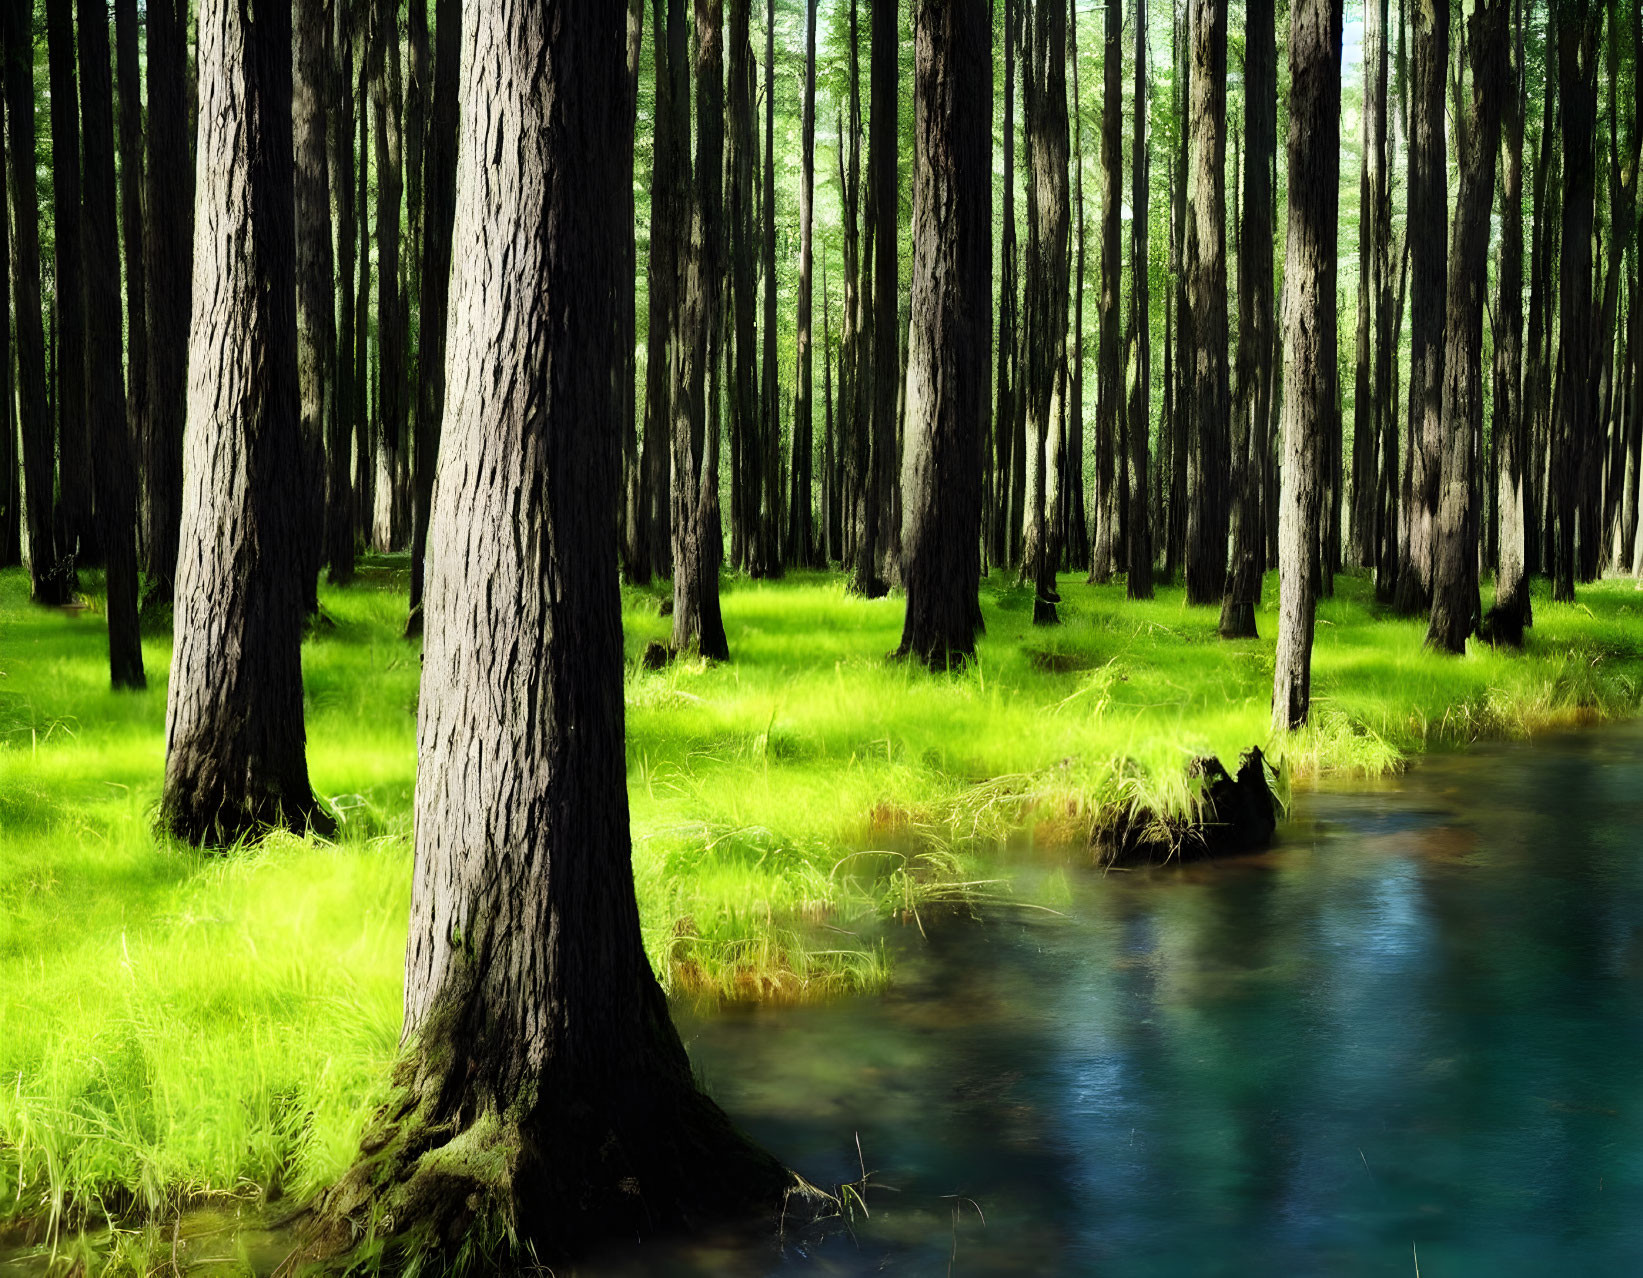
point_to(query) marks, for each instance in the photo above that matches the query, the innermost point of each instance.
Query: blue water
(1410, 1035)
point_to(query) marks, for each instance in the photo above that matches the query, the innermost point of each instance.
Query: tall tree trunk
(663, 275)
(801, 532)
(1073, 532)
(1109, 382)
(11, 487)
(744, 398)
(1384, 526)
(339, 492)
(76, 534)
(1140, 408)
(51, 571)
(386, 102)
(316, 277)
(696, 618)
(438, 210)
(536, 1038)
(634, 530)
(1536, 385)
(112, 468)
(1455, 551)
(1428, 212)
(1309, 338)
(1005, 517)
(1625, 145)
(768, 561)
(128, 77)
(951, 329)
(1209, 455)
(1181, 383)
(234, 727)
(1511, 610)
(1365, 407)
(1249, 442)
(1580, 27)
(364, 424)
(168, 257)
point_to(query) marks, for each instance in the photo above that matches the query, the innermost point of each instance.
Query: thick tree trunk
(51, 571)
(1139, 542)
(801, 531)
(1455, 604)
(1580, 27)
(1511, 610)
(1309, 338)
(168, 251)
(1243, 591)
(234, 726)
(316, 277)
(112, 468)
(544, 1095)
(942, 464)
(128, 76)
(1428, 212)
(1209, 455)
(76, 535)
(1004, 517)
(1109, 380)
(696, 618)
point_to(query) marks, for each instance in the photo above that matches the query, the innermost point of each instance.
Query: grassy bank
(175, 1026)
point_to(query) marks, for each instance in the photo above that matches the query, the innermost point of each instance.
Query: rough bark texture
(696, 618)
(1455, 604)
(1209, 450)
(948, 366)
(439, 207)
(801, 531)
(128, 85)
(51, 569)
(1309, 338)
(316, 276)
(1139, 585)
(234, 729)
(544, 1099)
(1511, 610)
(168, 252)
(1243, 591)
(112, 468)
(1109, 381)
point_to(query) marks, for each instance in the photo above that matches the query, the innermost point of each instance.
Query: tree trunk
(386, 102)
(543, 1094)
(767, 559)
(801, 532)
(129, 88)
(696, 618)
(1005, 517)
(951, 329)
(1073, 532)
(1140, 532)
(656, 531)
(1309, 338)
(365, 423)
(634, 530)
(51, 571)
(11, 488)
(1109, 383)
(339, 492)
(1209, 456)
(1181, 382)
(112, 467)
(1384, 528)
(1511, 610)
(234, 727)
(1455, 551)
(168, 257)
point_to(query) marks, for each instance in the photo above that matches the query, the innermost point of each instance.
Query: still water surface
(1410, 1035)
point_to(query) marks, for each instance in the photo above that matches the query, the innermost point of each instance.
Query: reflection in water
(1411, 1031)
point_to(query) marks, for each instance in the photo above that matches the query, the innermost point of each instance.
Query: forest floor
(177, 1026)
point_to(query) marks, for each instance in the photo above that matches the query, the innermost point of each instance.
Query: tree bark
(1455, 604)
(1249, 438)
(339, 491)
(168, 257)
(112, 469)
(51, 570)
(950, 333)
(634, 523)
(388, 523)
(1005, 517)
(543, 1094)
(1072, 517)
(1384, 533)
(1309, 339)
(801, 531)
(11, 487)
(1109, 382)
(1511, 609)
(128, 78)
(1209, 455)
(767, 559)
(654, 535)
(365, 419)
(234, 728)
(1139, 585)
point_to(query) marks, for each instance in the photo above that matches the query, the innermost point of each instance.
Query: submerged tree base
(1235, 815)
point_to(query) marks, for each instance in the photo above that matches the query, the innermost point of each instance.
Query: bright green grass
(176, 1026)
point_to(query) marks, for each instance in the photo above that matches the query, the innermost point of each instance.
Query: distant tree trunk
(51, 575)
(884, 143)
(128, 76)
(768, 560)
(634, 530)
(1537, 344)
(1455, 550)
(832, 544)
(234, 727)
(535, 1034)
(1179, 415)
(418, 83)
(950, 333)
(744, 397)
(1140, 409)
(1005, 517)
(11, 489)
(76, 534)
(1365, 407)
(1072, 517)
(801, 533)
(696, 618)
(1249, 437)
(1428, 212)
(1309, 338)
(386, 101)
(316, 279)
(364, 423)
(1209, 456)
(671, 140)
(1511, 610)
(168, 257)
(1384, 532)
(1109, 382)
(105, 377)
(1580, 27)
(339, 493)
(438, 210)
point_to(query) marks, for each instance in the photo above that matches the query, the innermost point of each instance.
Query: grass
(175, 1027)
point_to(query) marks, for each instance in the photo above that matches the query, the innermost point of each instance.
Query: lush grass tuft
(176, 1026)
